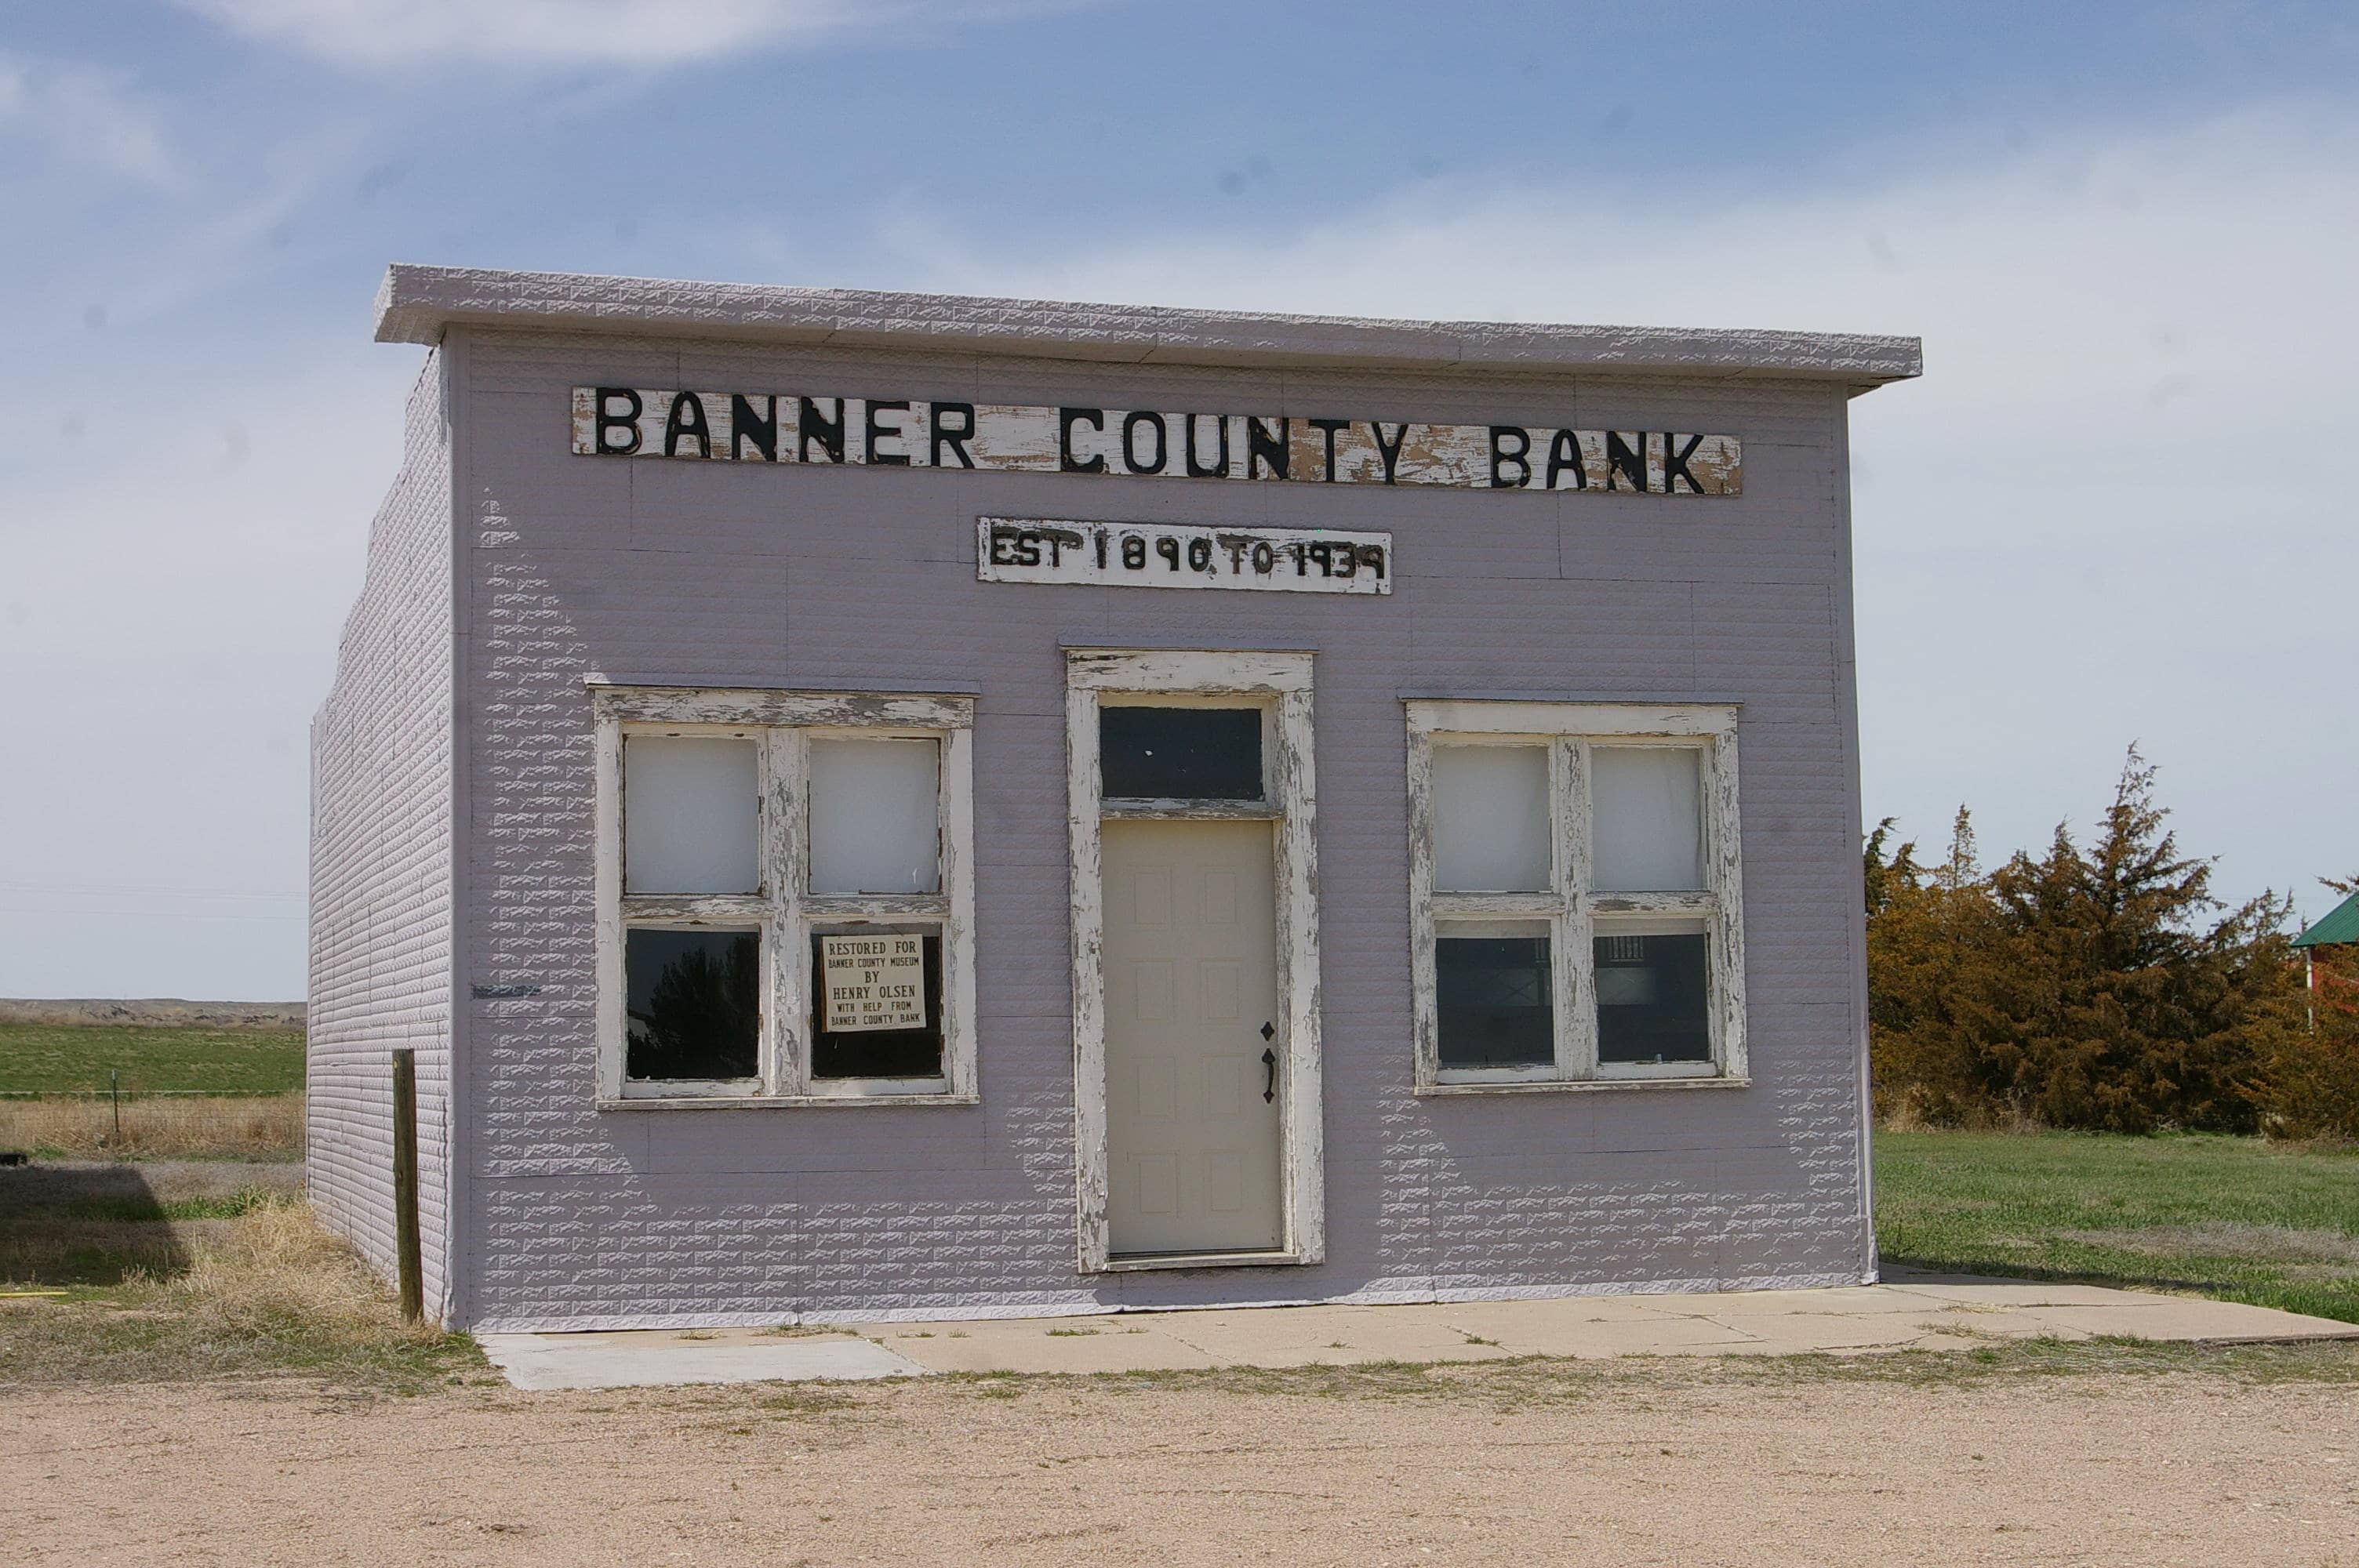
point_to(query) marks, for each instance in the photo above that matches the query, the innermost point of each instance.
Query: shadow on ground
(95, 1223)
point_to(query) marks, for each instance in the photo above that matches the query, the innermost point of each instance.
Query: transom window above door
(1576, 894)
(1180, 753)
(785, 911)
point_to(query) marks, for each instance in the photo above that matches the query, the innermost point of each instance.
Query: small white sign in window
(873, 982)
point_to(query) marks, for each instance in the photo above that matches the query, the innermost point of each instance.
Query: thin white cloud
(2117, 506)
(394, 33)
(88, 116)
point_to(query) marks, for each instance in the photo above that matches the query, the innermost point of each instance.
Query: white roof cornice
(419, 304)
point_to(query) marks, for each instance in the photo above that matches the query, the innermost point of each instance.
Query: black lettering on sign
(1066, 420)
(829, 429)
(1264, 450)
(1329, 427)
(1219, 468)
(1504, 456)
(1564, 452)
(1373, 558)
(1168, 548)
(1623, 461)
(1675, 464)
(1132, 423)
(1200, 555)
(627, 420)
(1390, 452)
(687, 419)
(1265, 558)
(953, 426)
(1003, 542)
(1059, 540)
(744, 426)
(871, 431)
(1134, 552)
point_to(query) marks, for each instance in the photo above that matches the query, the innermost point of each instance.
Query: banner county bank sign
(776, 427)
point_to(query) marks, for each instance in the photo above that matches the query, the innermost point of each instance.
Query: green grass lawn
(2232, 1217)
(47, 1058)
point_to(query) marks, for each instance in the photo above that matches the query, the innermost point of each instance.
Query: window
(785, 910)
(1577, 909)
(1180, 753)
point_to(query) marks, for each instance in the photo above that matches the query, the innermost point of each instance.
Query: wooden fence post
(411, 1271)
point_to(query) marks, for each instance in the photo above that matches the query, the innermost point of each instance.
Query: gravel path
(1670, 1469)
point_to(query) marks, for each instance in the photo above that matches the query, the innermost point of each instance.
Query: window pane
(1493, 994)
(860, 1001)
(690, 809)
(1491, 818)
(1652, 994)
(872, 816)
(695, 1004)
(1650, 819)
(1180, 753)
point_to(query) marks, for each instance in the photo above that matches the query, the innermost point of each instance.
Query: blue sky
(2113, 510)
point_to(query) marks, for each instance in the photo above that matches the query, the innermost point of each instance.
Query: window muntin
(738, 831)
(1637, 907)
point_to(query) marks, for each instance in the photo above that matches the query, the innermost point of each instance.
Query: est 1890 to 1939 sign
(1182, 554)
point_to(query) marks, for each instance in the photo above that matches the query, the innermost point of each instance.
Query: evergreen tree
(2100, 990)
(2311, 1088)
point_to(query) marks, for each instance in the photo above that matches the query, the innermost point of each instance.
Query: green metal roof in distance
(2337, 925)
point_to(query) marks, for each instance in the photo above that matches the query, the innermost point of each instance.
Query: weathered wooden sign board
(780, 428)
(873, 982)
(1182, 554)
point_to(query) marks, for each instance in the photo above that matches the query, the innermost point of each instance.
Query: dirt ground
(1676, 1466)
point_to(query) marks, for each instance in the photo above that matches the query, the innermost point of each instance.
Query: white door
(1193, 1053)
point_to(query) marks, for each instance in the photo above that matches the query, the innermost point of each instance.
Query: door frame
(1279, 684)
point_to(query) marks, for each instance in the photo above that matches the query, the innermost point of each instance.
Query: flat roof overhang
(420, 304)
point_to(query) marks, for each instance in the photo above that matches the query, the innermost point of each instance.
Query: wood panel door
(1193, 1055)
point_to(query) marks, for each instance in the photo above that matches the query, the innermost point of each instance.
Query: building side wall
(381, 867)
(653, 570)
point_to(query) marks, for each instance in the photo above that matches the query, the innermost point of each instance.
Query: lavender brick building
(874, 804)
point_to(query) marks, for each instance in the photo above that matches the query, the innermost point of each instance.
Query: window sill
(772, 1102)
(1581, 1085)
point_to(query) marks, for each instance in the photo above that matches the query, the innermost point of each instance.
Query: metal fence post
(411, 1268)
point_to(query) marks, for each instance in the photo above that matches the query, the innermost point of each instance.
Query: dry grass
(263, 1291)
(191, 1127)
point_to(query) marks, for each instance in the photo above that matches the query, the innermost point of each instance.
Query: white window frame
(1572, 912)
(783, 724)
(1279, 684)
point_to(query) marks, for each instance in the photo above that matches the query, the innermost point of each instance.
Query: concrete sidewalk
(1922, 1313)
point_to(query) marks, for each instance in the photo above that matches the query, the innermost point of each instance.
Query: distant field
(48, 1058)
(2231, 1217)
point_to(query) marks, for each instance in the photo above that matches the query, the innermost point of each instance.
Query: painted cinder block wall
(381, 891)
(643, 571)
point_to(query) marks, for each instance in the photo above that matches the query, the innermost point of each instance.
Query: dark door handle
(1270, 1088)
